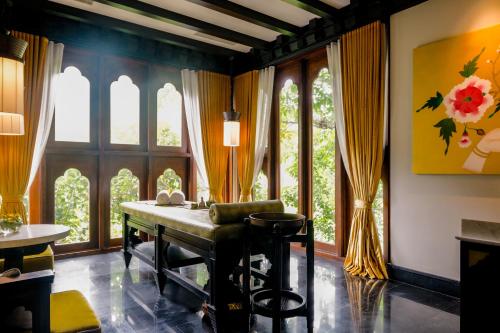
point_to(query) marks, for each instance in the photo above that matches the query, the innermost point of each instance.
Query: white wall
(426, 211)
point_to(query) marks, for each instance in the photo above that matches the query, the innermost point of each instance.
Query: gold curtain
(17, 151)
(214, 94)
(363, 57)
(245, 101)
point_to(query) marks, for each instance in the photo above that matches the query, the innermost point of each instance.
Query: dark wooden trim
(424, 280)
(78, 15)
(88, 167)
(84, 253)
(319, 32)
(188, 22)
(316, 7)
(249, 15)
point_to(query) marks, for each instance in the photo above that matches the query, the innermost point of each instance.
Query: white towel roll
(177, 197)
(163, 198)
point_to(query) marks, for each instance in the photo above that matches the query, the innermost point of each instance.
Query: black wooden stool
(280, 302)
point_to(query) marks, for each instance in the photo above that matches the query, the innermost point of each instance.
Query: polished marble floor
(127, 300)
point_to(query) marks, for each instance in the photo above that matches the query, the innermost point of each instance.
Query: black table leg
(277, 279)
(41, 309)
(13, 258)
(161, 279)
(127, 256)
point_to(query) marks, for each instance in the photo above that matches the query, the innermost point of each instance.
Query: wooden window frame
(303, 71)
(146, 161)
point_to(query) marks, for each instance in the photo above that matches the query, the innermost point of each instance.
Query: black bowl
(289, 224)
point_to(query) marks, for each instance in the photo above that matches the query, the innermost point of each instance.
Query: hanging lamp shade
(12, 85)
(231, 129)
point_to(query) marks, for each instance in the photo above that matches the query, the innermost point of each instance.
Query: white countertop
(482, 232)
(34, 234)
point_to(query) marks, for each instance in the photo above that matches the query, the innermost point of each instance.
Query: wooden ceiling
(220, 35)
(238, 25)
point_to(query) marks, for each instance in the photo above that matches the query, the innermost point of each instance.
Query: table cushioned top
(192, 221)
(225, 223)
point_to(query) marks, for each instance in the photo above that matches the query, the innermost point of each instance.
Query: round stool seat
(291, 303)
(288, 223)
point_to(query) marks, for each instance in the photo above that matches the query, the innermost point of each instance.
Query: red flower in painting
(469, 100)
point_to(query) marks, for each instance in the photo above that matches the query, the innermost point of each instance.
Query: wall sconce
(231, 129)
(12, 85)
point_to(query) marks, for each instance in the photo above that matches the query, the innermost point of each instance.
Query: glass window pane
(202, 190)
(289, 143)
(323, 146)
(169, 181)
(72, 107)
(124, 111)
(378, 212)
(261, 187)
(169, 116)
(124, 187)
(71, 205)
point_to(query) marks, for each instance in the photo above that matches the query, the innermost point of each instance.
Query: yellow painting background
(436, 67)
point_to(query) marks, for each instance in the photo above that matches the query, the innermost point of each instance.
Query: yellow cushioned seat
(70, 312)
(36, 262)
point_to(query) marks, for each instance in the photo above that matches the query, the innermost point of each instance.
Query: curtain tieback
(362, 204)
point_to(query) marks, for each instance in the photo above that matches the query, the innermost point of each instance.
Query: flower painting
(456, 98)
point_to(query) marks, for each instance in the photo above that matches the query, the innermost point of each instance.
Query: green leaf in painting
(446, 129)
(471, 67)
(497, 109)
(433, 102)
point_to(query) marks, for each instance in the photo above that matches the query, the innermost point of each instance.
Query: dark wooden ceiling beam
(249, 15)
(184, 21)
(134, 29)
(315, 6)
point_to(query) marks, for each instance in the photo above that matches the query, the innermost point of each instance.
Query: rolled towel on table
(177, 197)
(224, 213)
(163, 198)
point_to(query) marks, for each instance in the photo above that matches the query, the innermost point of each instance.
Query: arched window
(168, 116)
(289, 145)
(323, 151)
(261, 187)
(124, 112)
(169, 181)
(71, 205)
(72, 107)
(124, 187)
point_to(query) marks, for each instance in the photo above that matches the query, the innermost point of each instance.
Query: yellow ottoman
(36, 262)
(70, 313)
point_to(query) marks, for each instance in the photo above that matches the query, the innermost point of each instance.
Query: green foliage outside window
(323, 165)
(261, 187)
(124, 187)
(71, 194)
(289, 145)
(168, 138)
(378, 212)
(168, 181)
(169, 113)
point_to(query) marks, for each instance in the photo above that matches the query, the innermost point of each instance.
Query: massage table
(184, 237)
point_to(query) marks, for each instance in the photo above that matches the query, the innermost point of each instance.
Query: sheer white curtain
(334, 67)
(53, 63)
(192, 107)
(264, 99)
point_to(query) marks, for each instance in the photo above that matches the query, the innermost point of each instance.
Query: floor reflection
(365, 299)
(128, 301)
